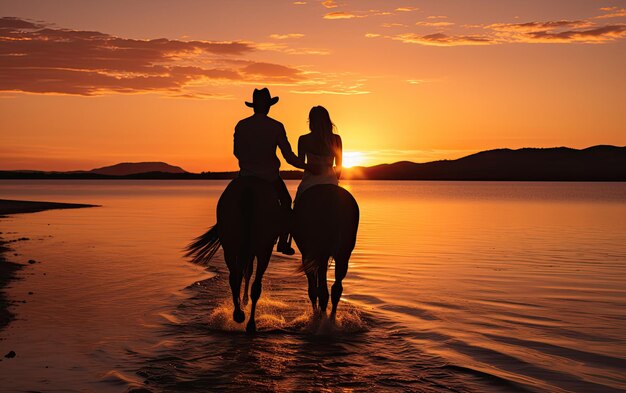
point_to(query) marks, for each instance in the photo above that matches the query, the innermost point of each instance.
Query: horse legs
(312, 280)
(234, 279)
(341, 269)
(262, 262)
(246, 276)
(322, 285)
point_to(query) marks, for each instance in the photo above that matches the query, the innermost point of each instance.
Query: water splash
(349, 320)
(269, 316)
(275, 315)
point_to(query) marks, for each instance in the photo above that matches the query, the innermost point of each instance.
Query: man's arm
(236, 143)
(288, 154)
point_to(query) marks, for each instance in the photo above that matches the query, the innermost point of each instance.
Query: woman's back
(315, 145)
(320, 148)
(318, 153)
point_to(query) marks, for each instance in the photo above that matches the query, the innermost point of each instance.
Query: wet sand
(7, 273)
(8, 269)
(8, 206)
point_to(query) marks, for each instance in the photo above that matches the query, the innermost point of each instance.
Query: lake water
(453, 286)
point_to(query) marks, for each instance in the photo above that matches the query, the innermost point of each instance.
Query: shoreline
(11, 206)
(8, 273)
(9, 269)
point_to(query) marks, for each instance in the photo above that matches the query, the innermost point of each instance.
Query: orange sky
(85, 84)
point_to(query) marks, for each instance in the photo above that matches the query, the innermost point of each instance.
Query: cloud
(363, 13)
(329, 83)
(434, 24)
(330, 4)
(582, 31)
(299, 2)
(40, 58)
(273, 72)
(393, 25)
(342, 15)
(561, 31)
(406, 9)
(377, 13)
(280, 46)
(440, 39)
(612, 12)
(535, 26)
(372, 35)
(437, 17)
(286, 36)
(593, 35)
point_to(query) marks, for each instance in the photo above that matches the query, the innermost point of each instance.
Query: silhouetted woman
(321, 148)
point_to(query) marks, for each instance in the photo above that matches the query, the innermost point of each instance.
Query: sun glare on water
(353, 158)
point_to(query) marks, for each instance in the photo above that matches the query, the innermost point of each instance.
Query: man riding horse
(256, 139)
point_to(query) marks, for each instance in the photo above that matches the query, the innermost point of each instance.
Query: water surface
(453, 286)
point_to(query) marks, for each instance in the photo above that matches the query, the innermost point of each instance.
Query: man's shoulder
(260, 121)
(274, 122)
(245, 121)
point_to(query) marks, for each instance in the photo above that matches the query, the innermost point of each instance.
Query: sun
(353, 158)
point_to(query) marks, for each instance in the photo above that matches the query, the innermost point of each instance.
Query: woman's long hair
(322, 127)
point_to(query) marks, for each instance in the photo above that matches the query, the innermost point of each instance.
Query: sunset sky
(85, 84)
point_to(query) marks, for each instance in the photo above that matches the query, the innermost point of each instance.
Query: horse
(248, 224)
(325, 225)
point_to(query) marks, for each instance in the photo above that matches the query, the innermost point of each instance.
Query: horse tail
(204, 247)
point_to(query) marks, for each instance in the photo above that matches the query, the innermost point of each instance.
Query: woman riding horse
(326, 216)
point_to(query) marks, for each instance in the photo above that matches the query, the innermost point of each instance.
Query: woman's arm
(302, 149)
(301, 152)
(288, 154)
(338, 156)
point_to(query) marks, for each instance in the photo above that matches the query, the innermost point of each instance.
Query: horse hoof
(239, 316)
(251, 327)
(244, 301)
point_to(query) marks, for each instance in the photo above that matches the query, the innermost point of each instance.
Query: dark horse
(325, 226)
(248, 224)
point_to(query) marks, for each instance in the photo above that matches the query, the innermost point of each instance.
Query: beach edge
(9, 269)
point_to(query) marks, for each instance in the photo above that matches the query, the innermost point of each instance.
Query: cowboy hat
(262, 97)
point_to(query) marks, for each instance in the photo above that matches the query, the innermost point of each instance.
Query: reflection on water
(461, 286)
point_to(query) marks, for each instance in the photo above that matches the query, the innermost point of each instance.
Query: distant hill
(133, 168)
(597, 163)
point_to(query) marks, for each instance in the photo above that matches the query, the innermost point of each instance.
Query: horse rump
(311, 264)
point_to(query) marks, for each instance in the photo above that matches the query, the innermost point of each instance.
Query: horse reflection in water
(248, 224)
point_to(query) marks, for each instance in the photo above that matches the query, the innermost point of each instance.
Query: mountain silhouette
(596, 163)
(133, 168)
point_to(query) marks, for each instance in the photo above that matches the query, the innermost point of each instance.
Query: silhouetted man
(256, 139)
